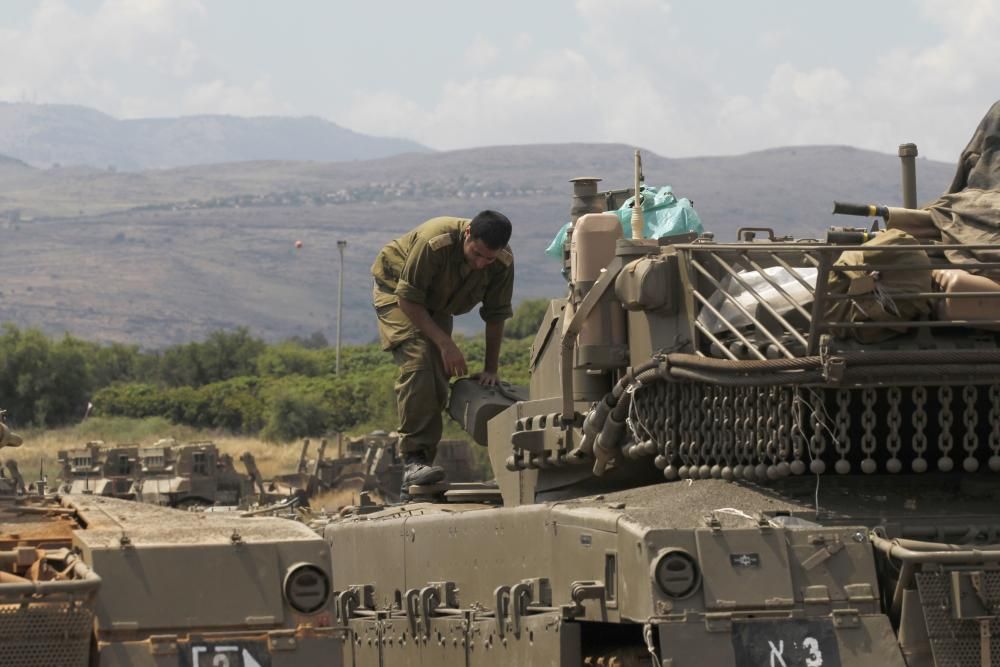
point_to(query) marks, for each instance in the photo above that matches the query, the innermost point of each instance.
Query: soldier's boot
(418, 472)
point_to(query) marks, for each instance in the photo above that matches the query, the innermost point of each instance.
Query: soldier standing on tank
(441, 268)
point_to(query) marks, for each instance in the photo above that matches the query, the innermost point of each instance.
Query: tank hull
(775, 578)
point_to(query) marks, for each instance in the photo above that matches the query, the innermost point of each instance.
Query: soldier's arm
(496, 309)
(451, 356)
(491, 367)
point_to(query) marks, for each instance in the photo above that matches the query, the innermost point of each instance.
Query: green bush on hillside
(231, 381)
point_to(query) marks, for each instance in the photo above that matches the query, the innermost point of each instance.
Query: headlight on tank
(676, 573)
(306, 587)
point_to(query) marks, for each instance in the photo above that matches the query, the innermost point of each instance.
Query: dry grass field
(39, 453)
(40, 449)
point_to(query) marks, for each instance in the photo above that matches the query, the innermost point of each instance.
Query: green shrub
(294, 415)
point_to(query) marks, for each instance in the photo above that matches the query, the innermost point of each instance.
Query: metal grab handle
(429, 600)
(501, 597)
(520, 598)
(412, 603)
(346, 602)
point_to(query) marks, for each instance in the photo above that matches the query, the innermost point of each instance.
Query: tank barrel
(863, 210)
(908, 162)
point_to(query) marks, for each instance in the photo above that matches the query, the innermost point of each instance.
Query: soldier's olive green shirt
(427, 266)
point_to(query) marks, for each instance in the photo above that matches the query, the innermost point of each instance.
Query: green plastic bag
(663, 215)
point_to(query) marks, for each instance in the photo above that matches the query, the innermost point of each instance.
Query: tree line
(231, 380)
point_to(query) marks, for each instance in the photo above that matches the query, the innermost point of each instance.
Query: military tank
(90, 579)
(103, 471)
(766, 452)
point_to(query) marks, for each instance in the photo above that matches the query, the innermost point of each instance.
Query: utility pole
(340, 302)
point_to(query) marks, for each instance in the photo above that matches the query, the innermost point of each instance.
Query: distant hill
(166, 256)
(48, 134)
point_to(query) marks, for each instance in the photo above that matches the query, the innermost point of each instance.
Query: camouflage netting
(970, 211)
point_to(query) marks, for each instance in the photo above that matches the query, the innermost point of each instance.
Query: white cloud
(548, 102)
(126, 57)
(816, 90)
(665, 93)
(481, 52)
(599, 91)
(671, 89)
(606, 12)
(219, 97)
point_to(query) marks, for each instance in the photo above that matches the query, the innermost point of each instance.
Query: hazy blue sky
(680, 77)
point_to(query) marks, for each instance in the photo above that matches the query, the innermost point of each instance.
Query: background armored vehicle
(762, 452)
(103, 471)
(368, 464)
(191, 475)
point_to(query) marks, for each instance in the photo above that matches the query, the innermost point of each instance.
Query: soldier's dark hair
(492, 228)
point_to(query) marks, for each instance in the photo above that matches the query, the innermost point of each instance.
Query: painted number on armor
(236, 654)
(790, 643)
(815, 657)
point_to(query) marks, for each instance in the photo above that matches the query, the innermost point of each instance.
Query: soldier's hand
(454, 360)
(488, 379)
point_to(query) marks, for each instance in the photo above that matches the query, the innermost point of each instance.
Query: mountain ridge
(61, 134)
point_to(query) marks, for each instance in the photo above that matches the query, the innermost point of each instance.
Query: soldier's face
(477, 254)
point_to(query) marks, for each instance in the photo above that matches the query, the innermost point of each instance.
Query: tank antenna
(637, 221)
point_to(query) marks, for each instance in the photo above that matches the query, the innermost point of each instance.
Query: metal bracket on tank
(588, 590)
(529, 596)
(420, 605)
(357, 597)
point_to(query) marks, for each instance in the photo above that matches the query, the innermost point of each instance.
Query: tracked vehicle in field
(100, 470)
(767, 451)
(193, 475)
(369, 464)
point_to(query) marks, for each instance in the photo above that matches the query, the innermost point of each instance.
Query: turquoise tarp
(663, 215)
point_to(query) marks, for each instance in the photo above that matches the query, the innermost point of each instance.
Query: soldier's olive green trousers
(422, 386)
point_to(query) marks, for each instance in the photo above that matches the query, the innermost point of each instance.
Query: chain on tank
(701, 430)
